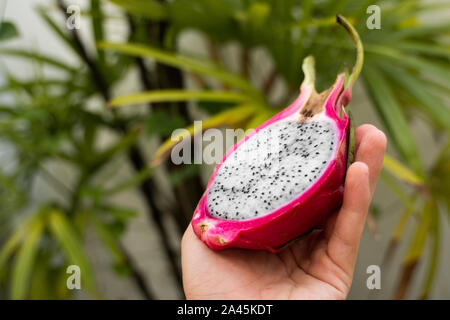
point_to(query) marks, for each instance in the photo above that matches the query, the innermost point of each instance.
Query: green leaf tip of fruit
(359, 50)
(309, 71)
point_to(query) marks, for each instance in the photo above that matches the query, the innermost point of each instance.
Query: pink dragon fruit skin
(274, 230)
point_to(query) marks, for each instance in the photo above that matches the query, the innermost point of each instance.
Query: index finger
(370, 147)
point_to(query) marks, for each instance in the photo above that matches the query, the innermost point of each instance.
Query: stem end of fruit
(359, 49)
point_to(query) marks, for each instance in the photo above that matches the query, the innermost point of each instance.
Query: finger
(370, 150)
(330, 222)
(344, 241)
(361, 132)
(370, 146)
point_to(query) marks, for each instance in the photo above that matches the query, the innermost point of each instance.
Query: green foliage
(69, 240)
(186, 63)
(52, 120)
(391, 113)
(156, 96)
(157, 123)
(8, 31)
(25, 259)
(150, 9)
(181, 175)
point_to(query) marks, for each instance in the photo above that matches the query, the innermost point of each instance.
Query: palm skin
(319, 266)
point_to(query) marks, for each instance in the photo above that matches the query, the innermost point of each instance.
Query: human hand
(319, 266)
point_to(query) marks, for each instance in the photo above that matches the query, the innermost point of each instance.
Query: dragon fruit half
(284, 177)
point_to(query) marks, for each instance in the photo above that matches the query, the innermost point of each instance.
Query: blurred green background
(84, 111)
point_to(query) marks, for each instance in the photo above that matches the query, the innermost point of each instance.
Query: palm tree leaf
(24, 261)
(401, 172)
(427, 66)
(177, 95)
(182, 62)
(54, 62)
(229, 117)
(393, 117)
(70, 242)
(432, 105)
(414, 253)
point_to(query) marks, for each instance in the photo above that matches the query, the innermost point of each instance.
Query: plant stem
(308, 67)
(138, 277)
(76, 195)
(245, 59)
(359, 49)
(180, 212)
(146, 188)
(57, 184)
(169, 77)
(405, 279)
(96, 74)
(270, 81)
(134, 154)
